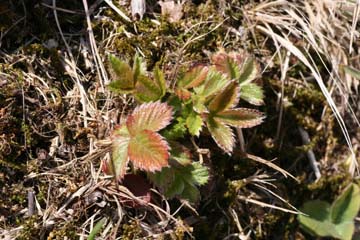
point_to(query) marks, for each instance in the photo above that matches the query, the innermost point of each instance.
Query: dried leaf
(148, 151)
(172, 10)
(227, 98)
(222, 134)
(152, 116)
(138, 8)
(240, 117)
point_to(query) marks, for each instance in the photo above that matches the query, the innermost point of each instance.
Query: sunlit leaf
(222, 134)
(139, 67)
(194, 123)
(214, 82)
(225, 64)
(152, 116)
(148, 151)
(160, 80)
(252, 93)
(227, 98)
(240, 117)
(347, 205)
(183, 94)
(194, 77)
(147, 89)
(123, 77)
(248, 71)
(120, 143)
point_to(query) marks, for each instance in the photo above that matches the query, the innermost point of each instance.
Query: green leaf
(240, 117)
(248, 71)
(139, 67)
(147, 90)
(178, 130)
(252, 93)
(194, 123)
(317, 222)
(222, 134)
(160, 80)
(344, 230)
(214, 82)
(355, 73)
(120, 143)
(183, 180)
(148, 151)
(96, 229)
(152, 116)
(193, 78)
(225, 64)
(347, 205)
(122, 74)
(227, 98)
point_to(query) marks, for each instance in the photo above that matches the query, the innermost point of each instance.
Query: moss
(131, 230)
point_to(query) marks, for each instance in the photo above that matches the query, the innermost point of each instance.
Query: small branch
(310, 153)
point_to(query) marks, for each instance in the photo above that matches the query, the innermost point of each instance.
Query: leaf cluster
(335, 220)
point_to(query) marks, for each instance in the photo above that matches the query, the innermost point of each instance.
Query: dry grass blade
(271, 165)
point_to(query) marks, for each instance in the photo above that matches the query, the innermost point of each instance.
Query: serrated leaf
(240, 117)
(252, 93)
(248, 71)
(160, 80)
(214, 82)
(183, 177)
(122, 74)
(120, 143)
(227, 98)
(225, 64)
(199, 103)
(194, 123)
(175, 188)
(152, 116)
(183, 94)
(148, 151)
(222, 134)
(193, 78)
(147, 90)
(347, 205)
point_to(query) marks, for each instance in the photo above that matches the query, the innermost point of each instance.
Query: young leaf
(347, 205)
(225, 99)
(214, 82)
(120, 143)
(252, 93)
(123, 74)
(139, 67)
(152, 116)
(248, 71)
(222, 134)
(148, 151)
(193, 78)
(194, 123)
(225, 64)
(240, 117)
(147, 90)
(160, 80)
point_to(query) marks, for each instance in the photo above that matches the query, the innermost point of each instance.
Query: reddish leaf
(240, 117)
(148, 151)
(150, 116)
(194, 77)
(222, 134)
(226, 99)
(120, 143)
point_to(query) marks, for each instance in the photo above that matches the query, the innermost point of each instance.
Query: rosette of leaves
(137, 140)
(183, 177)
(336, 220)
(136, 80)
(213, 92)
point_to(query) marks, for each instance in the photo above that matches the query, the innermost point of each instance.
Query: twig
(117, 10)
(310, 153)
